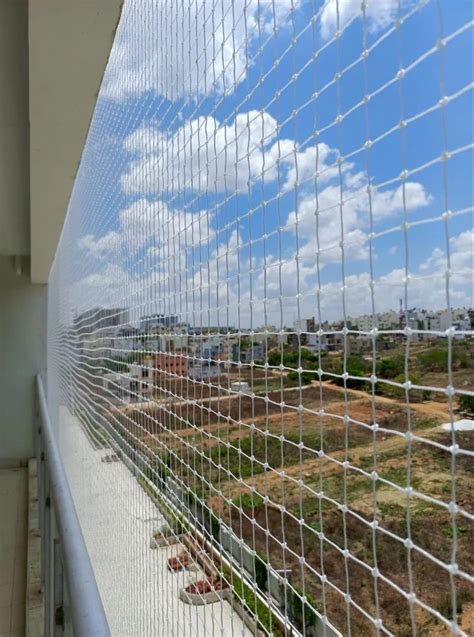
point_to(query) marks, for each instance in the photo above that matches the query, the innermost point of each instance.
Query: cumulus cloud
(149, 223)
(102, 246)
(461, 257)
(379, 14)
(227, 287)
(204, 155)
(314, 162)
(193, 158)
(180, 50)
(425, 286)
(321, 229)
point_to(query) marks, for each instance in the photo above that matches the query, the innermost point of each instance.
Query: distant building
(333, 341)
(157, 322)
(359, 344)
(170, 365)
(388, 320)
(366, 322)
(99, 318)
(164, 342)
(134, 386)
(97, 344)
(304, 334)
(461, 326)
(126, 341)
(254, 352)
(306, 325)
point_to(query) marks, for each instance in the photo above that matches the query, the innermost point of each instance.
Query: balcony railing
(71, 598)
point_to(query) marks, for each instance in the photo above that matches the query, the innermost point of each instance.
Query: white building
(126, 341)
(388, 320)
(134, 386)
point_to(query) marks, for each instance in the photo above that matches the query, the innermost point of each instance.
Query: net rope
(260, 342)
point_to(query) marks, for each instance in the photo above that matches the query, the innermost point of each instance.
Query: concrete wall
(52, 57)
(69, 45)
(14, 129)
(22, 355)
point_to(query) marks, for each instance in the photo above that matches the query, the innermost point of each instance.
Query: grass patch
(390, 509)
(248, 500)
(257, 609)
(176, 521)
(447, 531)
(237, 458)
(398, 476)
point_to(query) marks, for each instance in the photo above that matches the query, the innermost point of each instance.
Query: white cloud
(379, 13)
(318, 222)
(462, 247)
(169, 235)
(101, 247)
(461, 257)
(425, 285)
(187, 49)
(153, 223)
(226, 285)
(314, 162)
(204, 155)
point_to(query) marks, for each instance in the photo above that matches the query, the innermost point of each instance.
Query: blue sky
(187, 200)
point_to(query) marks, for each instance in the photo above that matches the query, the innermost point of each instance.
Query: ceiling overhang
(69, 45)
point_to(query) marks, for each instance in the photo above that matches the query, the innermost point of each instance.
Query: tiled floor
(13, 535)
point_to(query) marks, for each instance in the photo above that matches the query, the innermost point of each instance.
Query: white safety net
(260, 337)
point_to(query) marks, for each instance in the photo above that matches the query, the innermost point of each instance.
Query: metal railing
(72, 600)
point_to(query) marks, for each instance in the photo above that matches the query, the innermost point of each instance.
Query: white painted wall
(14, 129)
(69, 44)
(52, 57)
(22, 356)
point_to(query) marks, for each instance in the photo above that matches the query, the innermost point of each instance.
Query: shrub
(261, 572)
(434, 360)
(306, 377)
(391, 367)
(215, 526)
(416, 395)
(292, 358)
(258, 609)
(248, 500)
(304, 613)
(466, 403)
(355, 366)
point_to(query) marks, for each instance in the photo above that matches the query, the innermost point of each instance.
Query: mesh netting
(260, 343)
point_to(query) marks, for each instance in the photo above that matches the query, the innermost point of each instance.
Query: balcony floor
(118, 521)
(13, 542)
